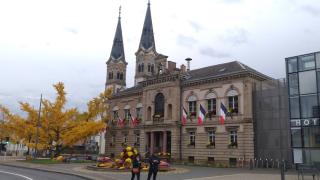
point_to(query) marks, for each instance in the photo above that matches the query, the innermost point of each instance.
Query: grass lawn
(42, 161)
(52, 161)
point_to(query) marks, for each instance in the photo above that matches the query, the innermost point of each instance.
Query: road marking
(16, 175)
(212, 177)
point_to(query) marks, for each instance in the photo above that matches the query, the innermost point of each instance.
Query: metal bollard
(282, 171)
(251, 165)
(267, 163)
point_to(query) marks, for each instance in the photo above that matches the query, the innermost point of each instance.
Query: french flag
(184, 116)
(223, 113)
(201, 116)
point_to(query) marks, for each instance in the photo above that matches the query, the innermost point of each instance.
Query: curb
(45, 170)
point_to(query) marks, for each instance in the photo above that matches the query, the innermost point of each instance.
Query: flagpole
(38, 125)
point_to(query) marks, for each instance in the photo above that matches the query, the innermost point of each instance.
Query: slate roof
(117, 50)
(221, 70)
(134, 89)
(147, 36)
(210, 72)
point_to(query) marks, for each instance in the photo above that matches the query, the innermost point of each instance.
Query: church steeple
(117, 51)
(147, 37)
(117, 65)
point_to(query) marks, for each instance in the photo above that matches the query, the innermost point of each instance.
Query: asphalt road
(13, 173)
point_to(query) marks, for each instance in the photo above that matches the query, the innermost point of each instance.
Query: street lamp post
(37, 133)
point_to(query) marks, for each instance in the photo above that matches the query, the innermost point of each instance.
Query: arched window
(192, 102)
(159, 105)
(170, 111)
(118, 75)
(110, 75)
(233, 101)
(121, 76)
(152, 68)
(139, 68)
(211, 104)
(142, 67)
(149, 113)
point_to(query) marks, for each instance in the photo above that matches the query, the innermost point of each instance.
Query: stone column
(151, 142)
(164, 140)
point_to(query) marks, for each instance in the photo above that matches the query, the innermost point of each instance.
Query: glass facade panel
(307, 82)
(309, 105)
(293, 84)
(311, 136)
(318, 59)
(306, 62)
(311, 155)
(318, 80)
(292, 65)
(296, 137)
(294, 108)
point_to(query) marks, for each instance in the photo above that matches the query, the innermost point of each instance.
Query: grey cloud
(208, 51)
(197, 27)
(314, 11)
(185, 40)
(236, 36)
(72, 30)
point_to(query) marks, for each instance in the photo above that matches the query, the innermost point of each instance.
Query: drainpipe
(180, 125)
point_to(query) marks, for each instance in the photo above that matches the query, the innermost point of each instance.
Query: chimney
(171, 66)
(188, 63)
(183, 68)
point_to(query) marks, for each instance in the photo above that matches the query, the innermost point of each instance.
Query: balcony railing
(158, 119)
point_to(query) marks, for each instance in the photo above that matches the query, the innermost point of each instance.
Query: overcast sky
(46, 41)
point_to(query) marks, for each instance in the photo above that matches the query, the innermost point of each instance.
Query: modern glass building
(303, 75)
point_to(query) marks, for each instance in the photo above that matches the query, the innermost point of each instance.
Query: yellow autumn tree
(59, 126)
(95, 118)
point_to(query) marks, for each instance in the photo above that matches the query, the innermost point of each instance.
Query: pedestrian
(154, 162)
(136, 167)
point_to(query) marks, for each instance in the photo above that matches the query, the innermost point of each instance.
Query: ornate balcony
(158, 118)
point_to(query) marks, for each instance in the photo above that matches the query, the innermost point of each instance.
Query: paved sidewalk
(181, 173)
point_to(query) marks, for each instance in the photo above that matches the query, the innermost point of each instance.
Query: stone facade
(157, 100)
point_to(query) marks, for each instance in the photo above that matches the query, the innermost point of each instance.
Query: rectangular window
(125, 138)
(139, 113)
(307, 82)
(193, 108)
(191, 159)
(233, 139)
(114, 115)
(294, 108)
(211, 138)
(149, 67)
(292, 65)
(296, 137)
(210, 160)
(127, 114)
(293, 84)
(212, 109)
(233, 161)
(137, 139)
(192, 138)
(311, 136)
(309, 106)
(306, 62)
(233, 104)
(113, 140)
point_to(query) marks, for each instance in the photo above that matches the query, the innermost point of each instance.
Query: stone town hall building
(161, 90)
